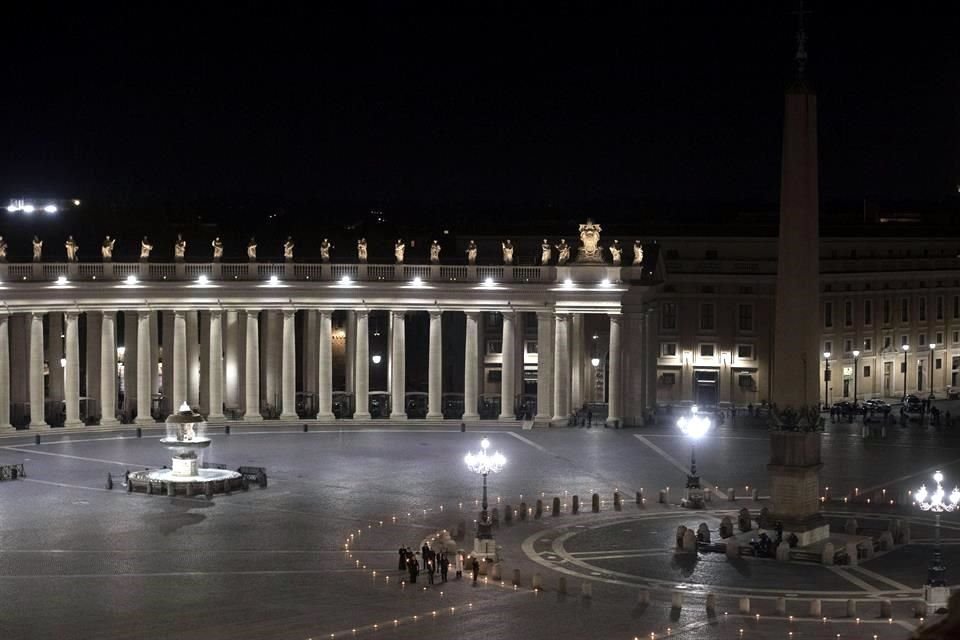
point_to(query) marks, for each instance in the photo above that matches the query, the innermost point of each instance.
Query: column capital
(545, 315)
(401, 315)
(475, 315)
(362, 312)
(436, 313)
(615, 317)
(73, 315)
(252, 313)
(179, 313)
(38, 314)
(562, 316)
(109, 312)
(216, 312)
(289, 313)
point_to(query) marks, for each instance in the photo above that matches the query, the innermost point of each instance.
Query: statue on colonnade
(472, 253)
(616, 252)
(180, 248)
(145, 248)
(398, 250)
(362, 249)
(546, 252)
(106, 249)
(217, 245)
(507, 247)
(637, 252)
(435, 252)
(252, 249)
(590, 249)
(288, 249)
(563, 252)
(325, 247)
(37, 249)
(72, 249)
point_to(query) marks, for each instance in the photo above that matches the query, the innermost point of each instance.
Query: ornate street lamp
(936, 502)
(826, 379)
(484, 464)
(694, 426)
(856, 372)
(933, 345)
(905, 348)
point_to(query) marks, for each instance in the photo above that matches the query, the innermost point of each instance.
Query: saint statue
(398, 248)
(507, 247)
(145, 248)
(590, 249)
(37, 248)
(180, 248)
(72, 249)
(472, 253)
(288, 248)
(435, 252)
(616, 252)
(3, 249)
(563, 252)
(106, 249)
(325, 247)
(546, 252)
(362, 249)
(637, 252)
(252, 249)
(217, 245)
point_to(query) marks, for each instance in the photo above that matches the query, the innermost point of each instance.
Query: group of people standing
(433, 562)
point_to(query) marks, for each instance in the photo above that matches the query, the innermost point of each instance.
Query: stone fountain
(187, 440)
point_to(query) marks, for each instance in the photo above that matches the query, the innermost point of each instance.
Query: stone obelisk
(795, 448)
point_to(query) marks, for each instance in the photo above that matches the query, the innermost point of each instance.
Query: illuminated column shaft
(215, 371)
(398, 367)
(54, 346)
(36, 371)
(362, 367)
(193, 358)
(145, 367)
(544, 366)
(289, 366)
(252, 368)
(71, 390)
(180, 375)
(435, 367)
(108, 369)
(5, 371)
(561, 370)
(507, 368)
(325, 367)
(613, 382)
(471, 366)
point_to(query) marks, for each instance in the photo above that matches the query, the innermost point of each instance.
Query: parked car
(913, 404)
(843, 406)
(953, 393)
(876, 404)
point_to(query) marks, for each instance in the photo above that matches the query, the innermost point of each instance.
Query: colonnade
(202, 363)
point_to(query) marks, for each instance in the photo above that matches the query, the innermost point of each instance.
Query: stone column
(310, 350)
(93, 357)
(272, 360)
(575, 339)
(362, 367)
(168, 371)
(471, 366)
(108, 369)
(204, 380)
(614, 408)
(398, 367)
(350, 351)
(193, 358)
(251, 370)
(231, 360)
(131, 361)
(289, 366)
(71, 390)
(325, 367)
(36, 371)
(154, 354)
(508, 367)
(54, 354)
(215, 370)
(5, 371)
(145, 367)
(561, 370)
(180, 375)
(544, 367)
(435, 367)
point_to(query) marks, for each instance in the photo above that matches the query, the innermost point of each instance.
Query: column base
(253, 418)
(7, 427)
(507, 416)
(614, 422)
(398, 417)
(39, 425)
(72, 424)
(218, 418)
(559, 421)
(470, 417)
(326, 417)
(109, 422)
(146, 420)
(362, 415)
(434, 416)
(287, 417)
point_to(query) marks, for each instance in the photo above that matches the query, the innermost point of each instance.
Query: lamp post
(826, 380)
(905, 348)
(936, 592)
(856, 372)
(484, 464)
(694, 427)
(933, 345)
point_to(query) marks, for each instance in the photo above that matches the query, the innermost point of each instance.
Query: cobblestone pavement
(79, 561)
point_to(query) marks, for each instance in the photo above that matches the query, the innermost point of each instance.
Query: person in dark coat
(414, 570)
(444, 566)
(475, 567)
(402, 563)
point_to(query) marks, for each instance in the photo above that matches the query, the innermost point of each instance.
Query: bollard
(537, 581)
(783, 552)
(886, 541)
(226, 430)
(586, 589)
(905, 533)
(744, 605)
(562, 585)
(763, 518)
(711, 603)
(643, 596)
(495, 518)
(508, 514)
(850, 527)
(662, 498)
(640, 497)
(781, 606)
(523, 510)
(463, 427)
(616, 501)
(733, 548)
(36, 439)
(852, 553)
(851, 608)
(756, 495)
(539, 509)
(676, 600)
(596, 503)
(576, 505)
(139, 432)
(707, 494)
(731, 494)
(209, 491)
(516, 577)
(226, 487)
(886, 609)
(828, 554)
(556, 507)
(689, 541)
(703, 533)
(496, 572)
(681, 532)
(726, 527)
(188, 489)
(815, 608)
(305, 428)
(109, 481)
(171, 491)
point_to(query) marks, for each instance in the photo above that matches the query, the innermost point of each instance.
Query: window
(706, 316)
(903, 367)
(938, 363)
(939, 307)
(848, 345)
(668, 316)
(745, 317)
(745, 351)
(848, 313)
(922, 309)
(707, 350)
(904, 340)
(867, 312)
(494, 346)
(668, 378)
(668, 349)
(956, 337)
(886, 311)
(939, 339)
(923, 340)
(868, 344)
(828, 314)
(827, 346)
(904, 310)
(887, 343)
(745, 382)
(956, 307)
(531, 345)
(866, 371)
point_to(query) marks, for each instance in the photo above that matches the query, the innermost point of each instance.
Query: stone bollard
(733, 548)
(171, 491)
(226, 430)
(640, 498)
(886, 541)
(139, 432)
(516, 577)
(209, 491)
(662, 497)
(562, 585)
(188, 489)
(508, 514)
(523, 510)
(617, 505)
(676, 600)
(681, 531)
(783, 552)
(850, 527)
(827, 554)
(496, 572)
(703, 533)
(689, 541)
(756, 495)
(538, 511)
(495, 517)
(537, 582)
(643, 596)
(109, 481)
(485, 567)
(36, 439)
(886, 609)
(726, 527)
(556, 507)
(852, 553)
(586, 589)
(149, 488)
(780, 607)
(744, 522)
(763, 519)
(707, 494)
(711, 602)
(575, 509)
(851, 608)
(744, 607)
(596, 503)
(305, 428)
(815, 608)
(731, 494)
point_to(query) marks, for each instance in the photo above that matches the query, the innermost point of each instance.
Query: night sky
(229, 112)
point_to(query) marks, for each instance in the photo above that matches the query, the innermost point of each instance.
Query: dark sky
(209, 105)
